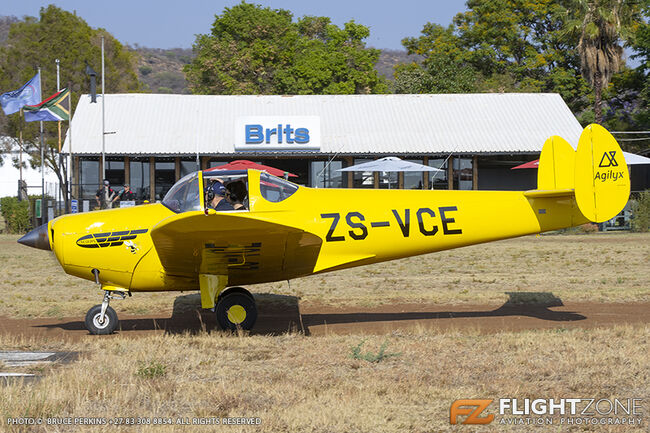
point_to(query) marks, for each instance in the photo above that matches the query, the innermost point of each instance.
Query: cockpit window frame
(228, 176)
(185, 182)
(285, 186)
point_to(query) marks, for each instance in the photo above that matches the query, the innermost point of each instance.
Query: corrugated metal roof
(152, 124)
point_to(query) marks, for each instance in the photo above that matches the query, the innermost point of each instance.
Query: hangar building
(151, 140)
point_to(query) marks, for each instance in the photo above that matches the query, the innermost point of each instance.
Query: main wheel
(236, 310)
(96, 326)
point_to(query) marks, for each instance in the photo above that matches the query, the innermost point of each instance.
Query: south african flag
(56, 107)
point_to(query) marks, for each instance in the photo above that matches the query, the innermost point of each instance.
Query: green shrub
(151, 371)
(16, 214)
(641, 212)
(369, 356)
(145, 70)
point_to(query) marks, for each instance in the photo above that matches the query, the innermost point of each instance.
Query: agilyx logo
(608, 160)
(470, 410)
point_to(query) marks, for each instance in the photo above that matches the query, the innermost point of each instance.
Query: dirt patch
(315, 319)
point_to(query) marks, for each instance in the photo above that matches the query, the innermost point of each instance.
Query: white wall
(9, 179)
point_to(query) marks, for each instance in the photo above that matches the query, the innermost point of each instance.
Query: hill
(161, 71)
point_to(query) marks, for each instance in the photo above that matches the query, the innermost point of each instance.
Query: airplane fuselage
(335, 229)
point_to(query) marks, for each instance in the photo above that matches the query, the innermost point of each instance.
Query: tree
(603, 26)
(58, 34)
(641, 44)
(439, 75)
(511, 45)
(255, 50)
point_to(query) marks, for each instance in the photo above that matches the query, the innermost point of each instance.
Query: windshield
(275, 189)
(184, 195)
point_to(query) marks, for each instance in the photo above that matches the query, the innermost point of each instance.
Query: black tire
(96, 328)
(236, 310)
(236, 289)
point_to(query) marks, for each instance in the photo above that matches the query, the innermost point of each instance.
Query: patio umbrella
(630, 159)
(389, 164)
(243, 164)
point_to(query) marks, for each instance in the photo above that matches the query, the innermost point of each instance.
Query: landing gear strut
(236, 309)
(102, 319)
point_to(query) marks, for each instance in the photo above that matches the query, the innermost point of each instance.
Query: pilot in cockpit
(216, 197)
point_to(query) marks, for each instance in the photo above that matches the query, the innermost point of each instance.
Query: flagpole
(43, 207)
(20, 143)
(58, 88)
(70, 161)
(103, 119)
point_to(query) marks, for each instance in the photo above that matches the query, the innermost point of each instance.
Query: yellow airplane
(290, 231)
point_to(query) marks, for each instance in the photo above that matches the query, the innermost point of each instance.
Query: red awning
(243, 164)
(531, 164)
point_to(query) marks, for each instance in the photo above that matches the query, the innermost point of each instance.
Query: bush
(152, 370)
(16, 214)
(641, 213)
(369, 356)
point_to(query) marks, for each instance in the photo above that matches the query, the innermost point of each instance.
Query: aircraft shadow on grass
(279, 314)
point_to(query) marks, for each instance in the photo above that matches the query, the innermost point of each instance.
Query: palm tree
(603, 25)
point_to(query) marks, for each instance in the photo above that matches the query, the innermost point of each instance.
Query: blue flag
(29, 94)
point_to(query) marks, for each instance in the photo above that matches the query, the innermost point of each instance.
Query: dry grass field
(612, 267)
(297, 383)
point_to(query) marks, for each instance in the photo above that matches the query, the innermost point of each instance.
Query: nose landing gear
(102, 319)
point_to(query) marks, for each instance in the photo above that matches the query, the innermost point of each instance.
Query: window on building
(139, 178)
(217, 163)
(363, 179)
(165, 176)
(438, 179)
(114, 172)
(388, 179)
(463, 173)
(88, 178)
(188, 166)
(324, 174)
(413, 179)
(299, 167)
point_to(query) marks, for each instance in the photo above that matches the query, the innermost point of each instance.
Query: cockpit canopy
(185, 195)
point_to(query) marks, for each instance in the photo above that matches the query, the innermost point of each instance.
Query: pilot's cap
(106, 182)
(218, 189)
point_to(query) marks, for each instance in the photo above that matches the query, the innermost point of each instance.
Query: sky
(175, 23)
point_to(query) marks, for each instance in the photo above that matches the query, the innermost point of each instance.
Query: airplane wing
(246, 249)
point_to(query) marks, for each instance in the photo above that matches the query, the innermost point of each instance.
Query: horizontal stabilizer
(548, 193)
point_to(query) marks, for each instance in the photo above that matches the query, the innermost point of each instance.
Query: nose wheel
(98, 324)
(102, 319)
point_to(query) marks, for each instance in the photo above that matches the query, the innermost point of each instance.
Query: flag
(29, 94)
(56, 107)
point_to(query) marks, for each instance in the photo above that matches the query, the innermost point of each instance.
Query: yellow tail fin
(602, 181)
(596, 174)
(556, 164)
